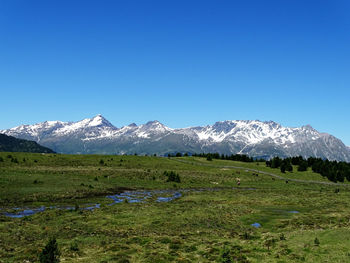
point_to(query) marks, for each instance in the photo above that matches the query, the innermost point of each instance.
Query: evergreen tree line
(334, 171)
(232, 157)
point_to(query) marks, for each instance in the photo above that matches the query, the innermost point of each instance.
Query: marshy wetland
(125, 209)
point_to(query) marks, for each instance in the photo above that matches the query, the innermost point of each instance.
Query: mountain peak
(255, 138)
(153, 122)
(99, 120)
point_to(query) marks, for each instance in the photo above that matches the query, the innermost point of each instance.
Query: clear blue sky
(184, 63)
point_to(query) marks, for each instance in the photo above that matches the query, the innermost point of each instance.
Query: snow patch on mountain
(255, 138)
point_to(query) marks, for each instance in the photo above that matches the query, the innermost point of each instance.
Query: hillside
(12, 144)
(127, 209)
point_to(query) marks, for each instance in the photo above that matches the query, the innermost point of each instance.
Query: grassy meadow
(212, 221)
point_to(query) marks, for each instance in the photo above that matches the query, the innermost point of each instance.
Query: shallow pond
(256, 225)
(137, 196)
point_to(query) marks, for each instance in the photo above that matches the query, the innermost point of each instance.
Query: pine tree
(50, 253)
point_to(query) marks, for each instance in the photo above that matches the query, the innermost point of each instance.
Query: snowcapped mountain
(255, 138)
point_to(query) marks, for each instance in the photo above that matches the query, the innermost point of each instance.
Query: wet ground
(138, 196)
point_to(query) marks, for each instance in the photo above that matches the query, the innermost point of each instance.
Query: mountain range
(255, 138)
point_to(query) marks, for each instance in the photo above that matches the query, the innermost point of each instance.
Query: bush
(233, 254)
(316, 242)
(172, 177)
(74, 247)
(225, 256)
(50, 253)
(1, 159)
(302, 166)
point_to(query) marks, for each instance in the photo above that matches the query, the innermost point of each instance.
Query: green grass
(197, 227)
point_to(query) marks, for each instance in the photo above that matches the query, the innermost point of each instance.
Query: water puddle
(22, 212)
(18, 213)
(127, 196)
(256, 225)
(145, 196)
(141, 196)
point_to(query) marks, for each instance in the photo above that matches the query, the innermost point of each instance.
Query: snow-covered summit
(252, 137)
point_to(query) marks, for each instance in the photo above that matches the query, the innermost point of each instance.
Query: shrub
(225, 256)
(50, 253)
(316, 242)
(74, 247)
(1, 159)
(172, 177)
(233, 254)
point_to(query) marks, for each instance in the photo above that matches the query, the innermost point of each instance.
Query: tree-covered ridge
(232, 157)
(12, 144)
(333, 170)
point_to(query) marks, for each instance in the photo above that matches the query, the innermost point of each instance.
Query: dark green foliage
(333, 170)
(1, 159)
(286, 166)
(178, 155)
(74, 247)
(225, 256)
(12, 144)
(172, 176)
(50, 253)
(283, 168)
(316, 242)
(297, 160)
(234, 254)
(209, 158)
(232, 157)
(302, 165)
(276, 162)
(102, 162)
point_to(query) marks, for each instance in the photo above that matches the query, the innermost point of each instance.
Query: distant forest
(333, 170)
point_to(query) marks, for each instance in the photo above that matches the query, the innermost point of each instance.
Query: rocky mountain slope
(254, 138)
